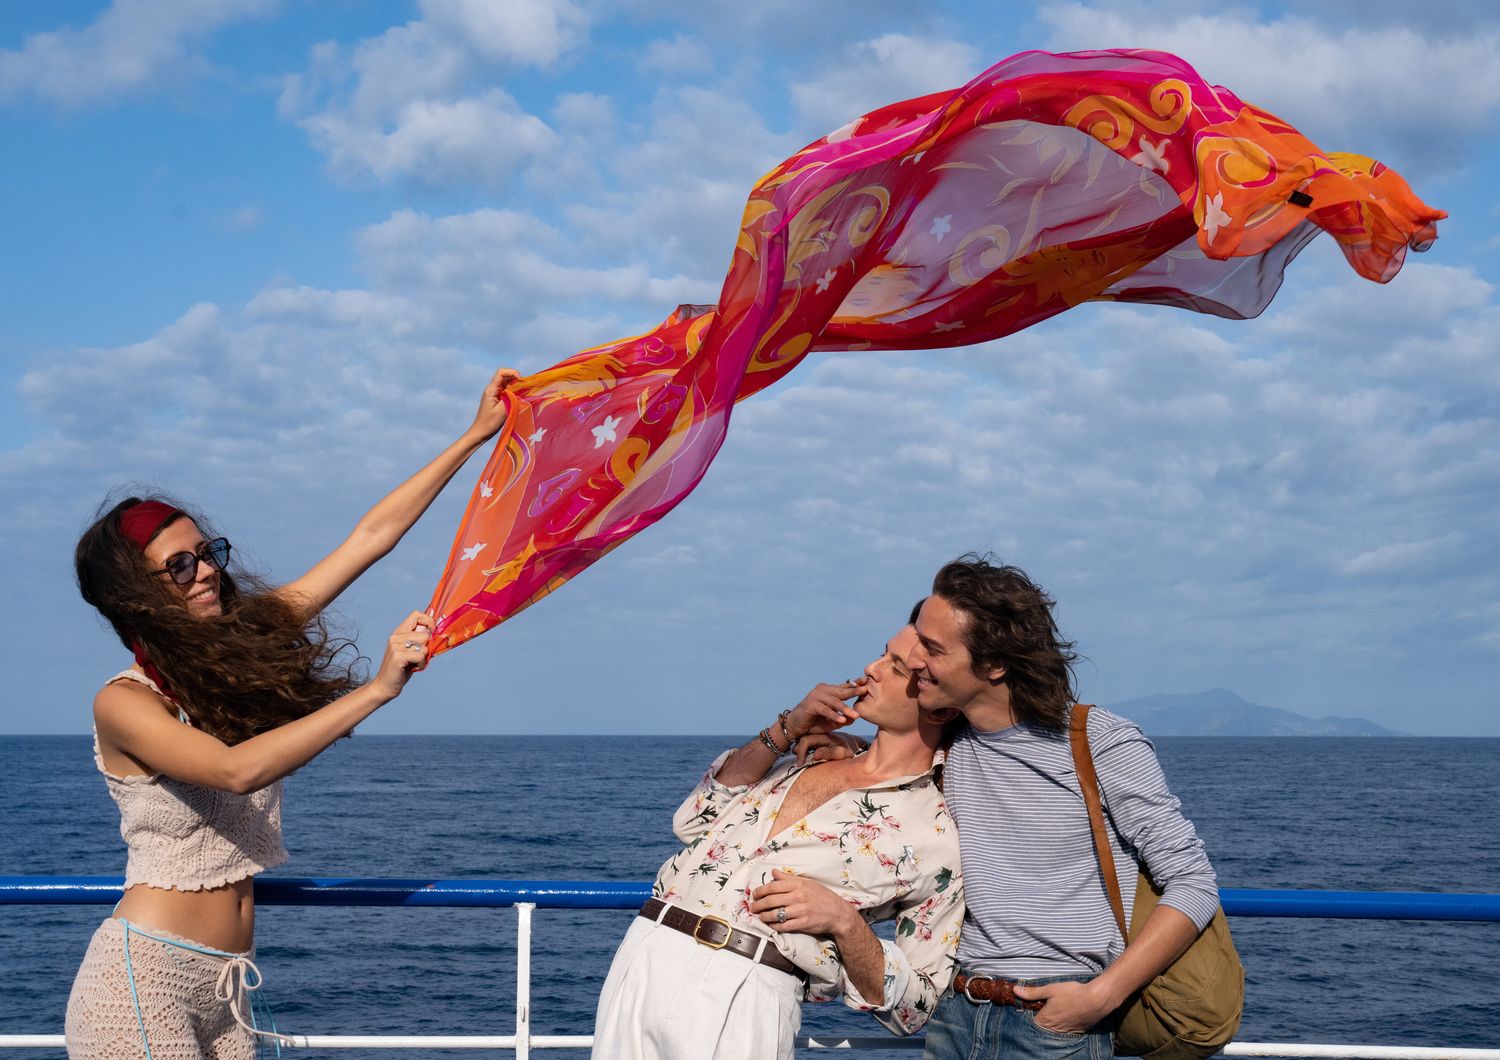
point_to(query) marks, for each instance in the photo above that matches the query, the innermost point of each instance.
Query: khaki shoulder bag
(1191, 1010)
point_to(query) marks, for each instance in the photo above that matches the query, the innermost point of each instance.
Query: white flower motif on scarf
(1214, 216)
(1153, 156)
(605, 432)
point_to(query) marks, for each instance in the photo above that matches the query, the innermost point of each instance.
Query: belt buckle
(968, 982)
(700, 940)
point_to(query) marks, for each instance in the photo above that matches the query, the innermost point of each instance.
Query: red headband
(140, 522)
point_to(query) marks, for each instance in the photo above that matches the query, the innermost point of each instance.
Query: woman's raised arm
(385, 524)
(134, 728)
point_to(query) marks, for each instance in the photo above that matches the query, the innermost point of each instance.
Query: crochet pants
(136, 996)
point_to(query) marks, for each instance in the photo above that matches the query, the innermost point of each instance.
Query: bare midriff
(222, 918)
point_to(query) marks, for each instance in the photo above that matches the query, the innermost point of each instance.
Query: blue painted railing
(526, 895)
(587, 894)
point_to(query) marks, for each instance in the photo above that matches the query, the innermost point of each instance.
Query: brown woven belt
(715, 933)
(994, 991)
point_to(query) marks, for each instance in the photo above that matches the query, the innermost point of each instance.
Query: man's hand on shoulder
(828, 747)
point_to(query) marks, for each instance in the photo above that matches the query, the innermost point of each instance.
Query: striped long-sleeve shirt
(1036, 902)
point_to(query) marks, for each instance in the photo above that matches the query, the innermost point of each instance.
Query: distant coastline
(1220, 712)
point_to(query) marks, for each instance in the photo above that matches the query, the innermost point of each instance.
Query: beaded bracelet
(781, 720)
(765, 738)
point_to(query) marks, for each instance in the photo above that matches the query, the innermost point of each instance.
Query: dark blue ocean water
(1394, 815)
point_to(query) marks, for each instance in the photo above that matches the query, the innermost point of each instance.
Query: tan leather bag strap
(1088, 782)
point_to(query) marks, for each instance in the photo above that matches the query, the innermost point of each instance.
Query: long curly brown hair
(1008, 622)
(260, 664)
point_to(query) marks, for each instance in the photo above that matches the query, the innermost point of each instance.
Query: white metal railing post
(523, 979)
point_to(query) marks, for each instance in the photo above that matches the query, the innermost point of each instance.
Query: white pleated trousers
(670, 998)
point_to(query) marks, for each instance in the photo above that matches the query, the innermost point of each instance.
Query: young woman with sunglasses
(235, 685)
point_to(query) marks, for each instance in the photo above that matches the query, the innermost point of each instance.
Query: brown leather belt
(994, 991)
(715, 933)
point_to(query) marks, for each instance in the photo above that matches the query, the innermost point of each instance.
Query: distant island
(1219, 712)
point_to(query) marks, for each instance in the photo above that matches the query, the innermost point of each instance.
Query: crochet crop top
(189, 837)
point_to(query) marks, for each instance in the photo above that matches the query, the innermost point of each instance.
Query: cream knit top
(188, 837)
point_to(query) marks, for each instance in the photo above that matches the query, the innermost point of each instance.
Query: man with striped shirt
(1042, 962)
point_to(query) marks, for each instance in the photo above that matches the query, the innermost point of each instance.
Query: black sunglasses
(183, 566)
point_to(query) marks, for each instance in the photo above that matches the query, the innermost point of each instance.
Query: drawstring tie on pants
(238, 982)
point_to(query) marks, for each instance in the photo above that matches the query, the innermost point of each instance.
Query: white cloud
(497, 278)
(787, 25)
(1348, 88)
(109, 389)
(1424, 297)
(423, 101)
(1399, 557)
(480, 139)
(677, 186)
(133, 46)
(376, 77)
(587, 115)
(214, 405)
(527, 32)
(487, 271)
(315, 308)
(873, 73)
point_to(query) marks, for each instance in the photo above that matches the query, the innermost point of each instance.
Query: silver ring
(781, 915)
(409, 645)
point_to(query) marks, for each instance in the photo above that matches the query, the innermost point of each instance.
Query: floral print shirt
(889, 850)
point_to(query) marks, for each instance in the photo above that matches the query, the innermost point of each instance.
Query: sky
(263, 254)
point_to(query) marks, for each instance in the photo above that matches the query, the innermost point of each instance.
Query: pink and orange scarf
(1047, 181)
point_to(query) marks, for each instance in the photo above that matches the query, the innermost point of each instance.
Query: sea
(1404, 814)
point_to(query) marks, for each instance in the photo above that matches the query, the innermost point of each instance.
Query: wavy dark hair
(1008, 622)
(260, 664)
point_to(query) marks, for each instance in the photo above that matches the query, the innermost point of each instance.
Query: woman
(234, 686)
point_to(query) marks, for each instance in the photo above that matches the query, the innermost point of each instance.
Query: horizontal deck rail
(561, 1041)
(590, 894)
(528, 895)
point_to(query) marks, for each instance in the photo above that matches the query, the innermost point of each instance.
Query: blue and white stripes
(1036, 902)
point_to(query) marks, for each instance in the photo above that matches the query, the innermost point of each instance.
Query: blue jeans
(962, 1030)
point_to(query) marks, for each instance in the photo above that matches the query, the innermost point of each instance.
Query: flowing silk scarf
(963, 216)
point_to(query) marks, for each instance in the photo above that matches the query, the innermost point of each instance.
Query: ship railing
(527, 896)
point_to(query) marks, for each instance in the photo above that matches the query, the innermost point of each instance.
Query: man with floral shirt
(786, 866)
